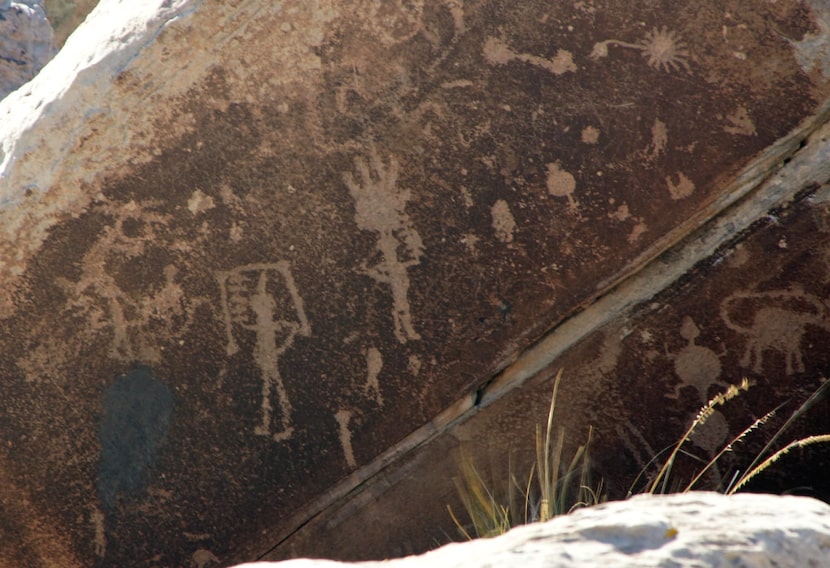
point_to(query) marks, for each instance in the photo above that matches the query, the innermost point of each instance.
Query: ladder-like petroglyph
(263, 299)
(380, 207)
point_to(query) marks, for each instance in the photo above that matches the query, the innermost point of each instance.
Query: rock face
(264, 266)
(681, 530)
(26, 43)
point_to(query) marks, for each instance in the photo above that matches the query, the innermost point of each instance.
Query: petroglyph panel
(340, 219)
(675, 352)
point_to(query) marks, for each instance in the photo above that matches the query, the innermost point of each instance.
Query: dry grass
(552, 487)
(763, 460)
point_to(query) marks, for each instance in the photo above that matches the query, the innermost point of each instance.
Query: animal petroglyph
(129, 315)
(496, 52)
(380, 207)
(663, 49)
(772, 321)
(263, 299)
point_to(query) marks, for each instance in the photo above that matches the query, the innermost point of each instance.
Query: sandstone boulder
(265, 265)
(682, 530)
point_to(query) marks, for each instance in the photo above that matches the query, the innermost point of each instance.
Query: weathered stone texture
(249, 248)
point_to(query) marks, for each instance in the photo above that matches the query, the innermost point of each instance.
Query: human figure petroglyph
(250, 295)
(701, 368)
(778, 320)
(696, 365)
(380, 207)
(663, 49)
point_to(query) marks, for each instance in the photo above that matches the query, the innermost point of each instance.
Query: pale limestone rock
(682, 530)
(26, 43)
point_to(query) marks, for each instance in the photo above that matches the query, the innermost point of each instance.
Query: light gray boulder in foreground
(26, 42)
(681, 530)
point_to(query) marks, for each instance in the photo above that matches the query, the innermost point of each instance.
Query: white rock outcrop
(682, 530)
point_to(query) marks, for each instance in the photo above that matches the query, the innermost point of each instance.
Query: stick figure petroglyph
(263, 298)
(380, 207)
(773, 321)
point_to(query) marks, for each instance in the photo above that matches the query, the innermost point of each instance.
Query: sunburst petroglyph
(664, 49)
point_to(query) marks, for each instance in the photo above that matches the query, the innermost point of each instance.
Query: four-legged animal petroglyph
(496, 52)
(263, 298)
(129, 315)
(773, 321)
(380, 207)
